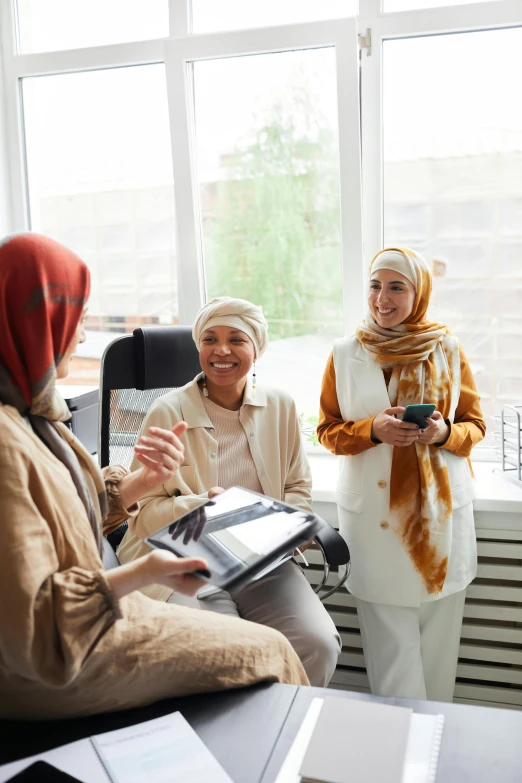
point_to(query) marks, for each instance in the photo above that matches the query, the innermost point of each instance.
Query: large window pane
(267, 165)
(51, 25)
(100, 181)
(453, 189)
(415, 5)
(210, 16)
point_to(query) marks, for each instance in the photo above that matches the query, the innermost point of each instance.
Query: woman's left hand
(303, 548)
(161, 453)
(437, 430)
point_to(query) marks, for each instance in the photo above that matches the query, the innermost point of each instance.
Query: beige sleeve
(117, 511)
(51, 621)
(171, 500)
(298, 480)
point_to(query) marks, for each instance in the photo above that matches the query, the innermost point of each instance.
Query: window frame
(180, 54)
(14, 214)
(392, 25)
(385, 26)
(14, 201)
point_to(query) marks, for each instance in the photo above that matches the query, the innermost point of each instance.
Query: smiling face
(226, 356)
(62, 369)
(390, 298)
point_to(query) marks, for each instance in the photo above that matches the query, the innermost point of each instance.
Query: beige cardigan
(67, 647)
(271, 423)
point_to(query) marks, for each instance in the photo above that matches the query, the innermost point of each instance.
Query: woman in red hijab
(76, 640)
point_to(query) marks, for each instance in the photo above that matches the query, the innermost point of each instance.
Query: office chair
(137, 369)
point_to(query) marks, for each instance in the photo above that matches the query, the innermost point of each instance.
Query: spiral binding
(437, 740)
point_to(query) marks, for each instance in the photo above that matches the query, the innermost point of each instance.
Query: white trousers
(283, 600)
(412, 652)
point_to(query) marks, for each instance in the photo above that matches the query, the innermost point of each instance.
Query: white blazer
(381, 570)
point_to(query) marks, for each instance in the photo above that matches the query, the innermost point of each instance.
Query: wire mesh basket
(509, 441)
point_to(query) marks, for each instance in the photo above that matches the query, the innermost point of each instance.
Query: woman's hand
(191, 526)
(164, 568)
(392, 431)
(437, 430)
(303, 548)
(161, 453)
(215, 491)
(158, 567)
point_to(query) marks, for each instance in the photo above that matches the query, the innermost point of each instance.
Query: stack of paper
(164, 750)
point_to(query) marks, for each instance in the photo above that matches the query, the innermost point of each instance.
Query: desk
(479, 744)
(251, 730)
(239, 727)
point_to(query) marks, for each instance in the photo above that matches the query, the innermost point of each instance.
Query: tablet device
(239, 533)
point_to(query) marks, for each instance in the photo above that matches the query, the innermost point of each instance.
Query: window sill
(494, 491)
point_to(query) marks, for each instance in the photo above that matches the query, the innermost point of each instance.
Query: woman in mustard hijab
(404, 493)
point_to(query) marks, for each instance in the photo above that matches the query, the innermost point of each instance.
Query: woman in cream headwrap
(404, 493)
(239, 435)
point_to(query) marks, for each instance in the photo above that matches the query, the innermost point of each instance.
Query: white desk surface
(71, 391)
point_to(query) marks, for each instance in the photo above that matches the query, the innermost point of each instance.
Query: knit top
(235, 464)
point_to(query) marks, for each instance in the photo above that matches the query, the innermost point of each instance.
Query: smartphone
(42, 772)
(417, 414)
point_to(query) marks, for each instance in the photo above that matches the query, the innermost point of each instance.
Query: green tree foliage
(273, 236)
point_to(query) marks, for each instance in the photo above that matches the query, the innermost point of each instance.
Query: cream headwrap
(408, 263)
(237, 314)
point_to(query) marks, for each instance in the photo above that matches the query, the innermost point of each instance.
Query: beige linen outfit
(259, 447)
(67, 647)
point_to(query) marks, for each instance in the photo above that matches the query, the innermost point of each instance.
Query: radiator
(490, 658)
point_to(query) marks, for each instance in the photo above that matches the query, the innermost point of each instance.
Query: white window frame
(180, 54)
(475, 17)
(19, 66)
(406, 24)
(14, 209)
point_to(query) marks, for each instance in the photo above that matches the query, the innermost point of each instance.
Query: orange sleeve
(338, 436)
(468, 427)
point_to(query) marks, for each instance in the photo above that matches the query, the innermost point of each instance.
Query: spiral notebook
(163, 750)
(343, 740)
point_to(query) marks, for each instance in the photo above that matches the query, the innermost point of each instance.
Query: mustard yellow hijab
(425, 363)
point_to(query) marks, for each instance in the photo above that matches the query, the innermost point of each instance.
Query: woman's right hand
(164, 568)
(394, 432)
(213, 491)
(158, 567)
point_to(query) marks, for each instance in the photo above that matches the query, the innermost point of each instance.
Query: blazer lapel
(369, 379)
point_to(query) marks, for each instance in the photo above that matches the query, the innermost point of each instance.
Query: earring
(254, 382)
(204, 384)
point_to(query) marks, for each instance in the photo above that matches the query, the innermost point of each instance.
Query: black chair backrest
(136, 369)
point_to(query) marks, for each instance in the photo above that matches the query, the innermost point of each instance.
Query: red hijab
(43, 290)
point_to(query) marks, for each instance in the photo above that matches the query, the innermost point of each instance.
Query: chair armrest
(109, 557)
(334, 546)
